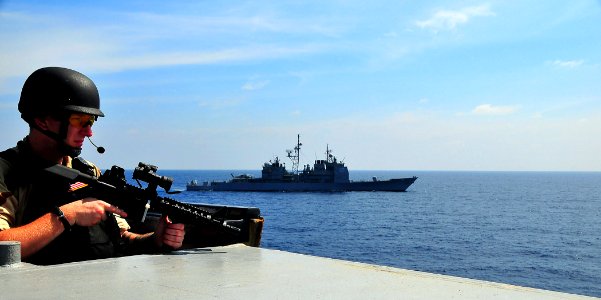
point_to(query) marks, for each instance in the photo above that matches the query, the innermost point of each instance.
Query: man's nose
(87, 130)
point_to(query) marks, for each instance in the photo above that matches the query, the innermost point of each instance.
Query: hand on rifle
(89, 211)
(168, 233)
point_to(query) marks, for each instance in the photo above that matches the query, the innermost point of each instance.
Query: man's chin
(70, 150)
(77, 145)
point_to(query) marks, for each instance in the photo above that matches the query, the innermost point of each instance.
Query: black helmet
(55, 90)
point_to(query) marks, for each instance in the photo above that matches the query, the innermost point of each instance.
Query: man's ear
(41, 122)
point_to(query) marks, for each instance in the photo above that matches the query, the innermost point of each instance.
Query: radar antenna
(330, 158)
(294, 155)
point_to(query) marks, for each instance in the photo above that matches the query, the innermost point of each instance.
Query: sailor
(61, 105)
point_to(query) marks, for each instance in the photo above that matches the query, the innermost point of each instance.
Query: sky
(387, 85)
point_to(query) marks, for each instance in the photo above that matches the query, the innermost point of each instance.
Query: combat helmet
(54, 90)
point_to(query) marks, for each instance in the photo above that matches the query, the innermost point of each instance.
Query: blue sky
(392, 85)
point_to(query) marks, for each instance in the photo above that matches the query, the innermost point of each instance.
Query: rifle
(113, 188)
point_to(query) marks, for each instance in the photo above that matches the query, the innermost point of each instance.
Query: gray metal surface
(236, 272)
(10, 253)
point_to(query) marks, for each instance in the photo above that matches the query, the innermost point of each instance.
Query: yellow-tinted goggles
(82, 120)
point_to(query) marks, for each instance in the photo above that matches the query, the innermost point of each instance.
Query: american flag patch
(76, 186)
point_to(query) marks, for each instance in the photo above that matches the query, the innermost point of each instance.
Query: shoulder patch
(4, 196)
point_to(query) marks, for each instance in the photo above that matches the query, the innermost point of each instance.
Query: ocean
(535, 229)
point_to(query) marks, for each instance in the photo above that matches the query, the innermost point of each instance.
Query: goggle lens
(82, 120)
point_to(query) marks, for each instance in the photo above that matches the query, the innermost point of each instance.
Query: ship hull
(392, 185)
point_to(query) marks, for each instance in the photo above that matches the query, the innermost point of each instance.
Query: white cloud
(488, 109)
(450, 19)
(226, 23)
(255, 85)
(239, 54)
(567, 63)
(116, 48)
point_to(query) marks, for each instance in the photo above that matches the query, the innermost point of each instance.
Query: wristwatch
(61, 216)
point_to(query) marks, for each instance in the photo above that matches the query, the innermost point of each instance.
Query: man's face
(80, 127)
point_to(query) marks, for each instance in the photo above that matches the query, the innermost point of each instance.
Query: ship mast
(329, 157)
(296, 156)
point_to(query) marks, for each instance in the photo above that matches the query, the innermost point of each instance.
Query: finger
(174, 232)
(115, 209)
(175, 243)
(166, 218)
(172, 239)
(176, 226)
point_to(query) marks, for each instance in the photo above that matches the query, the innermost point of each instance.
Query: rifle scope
(147, 173)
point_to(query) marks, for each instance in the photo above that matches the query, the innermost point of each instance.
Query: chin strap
(60, 137)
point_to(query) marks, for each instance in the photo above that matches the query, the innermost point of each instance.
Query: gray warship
(329, 175)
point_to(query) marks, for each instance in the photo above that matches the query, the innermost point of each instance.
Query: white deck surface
(240, 272)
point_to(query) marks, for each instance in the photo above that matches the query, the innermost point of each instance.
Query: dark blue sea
(536, 229)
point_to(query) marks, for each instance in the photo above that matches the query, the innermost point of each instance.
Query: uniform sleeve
(8, 205)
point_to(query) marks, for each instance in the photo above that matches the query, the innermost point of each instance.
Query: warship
(327, 175)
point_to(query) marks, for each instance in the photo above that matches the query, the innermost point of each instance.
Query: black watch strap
(61, 216)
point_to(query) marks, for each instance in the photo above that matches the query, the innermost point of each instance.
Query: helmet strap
(60, 138)
(63, 146)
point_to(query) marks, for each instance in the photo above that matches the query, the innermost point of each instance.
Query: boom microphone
(99, 149)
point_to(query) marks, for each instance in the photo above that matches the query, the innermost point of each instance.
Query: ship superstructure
(325, 175)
